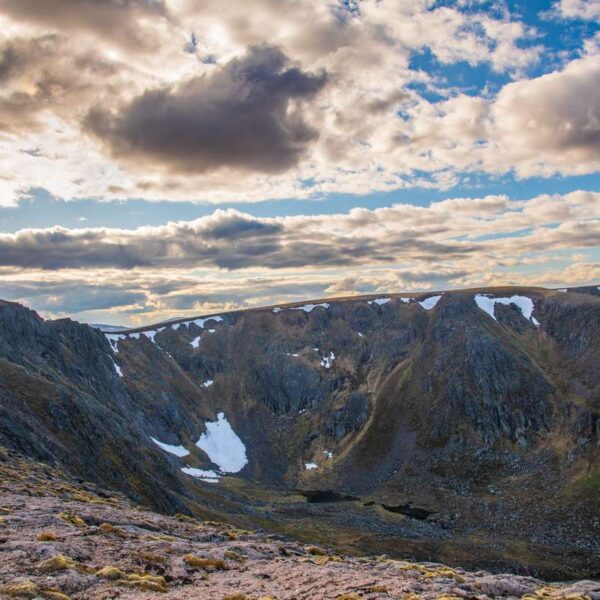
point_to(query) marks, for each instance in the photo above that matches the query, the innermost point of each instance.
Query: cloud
(551, 123)
(274, 100)
(108, 99)
(452, 35)
(42, 74)
(72, 297)
(464, 233)
(124, 22)
(542, 126)
(245, 115)
(233, 225)
(579, 9)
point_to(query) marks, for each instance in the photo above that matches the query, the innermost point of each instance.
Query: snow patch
(201, 322)
(209, 476)
(277, 309)
(223, 446)
(360, 334)
(406, 300)
(486, 304)
(113, 340)
(150, 335)
(380, 301)
(309, 307)
(207, 383)
(525, 304)
(117, 368)
(327, 361)
(176, 450)
(564, 290)
(430, 302)
(311, 466)
(327, 454)
(195, 342)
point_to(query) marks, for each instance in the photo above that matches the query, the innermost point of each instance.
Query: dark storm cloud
(114, 20)
(247, 115)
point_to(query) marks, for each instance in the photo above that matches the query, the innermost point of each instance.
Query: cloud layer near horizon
(156, 272)
(452, 230)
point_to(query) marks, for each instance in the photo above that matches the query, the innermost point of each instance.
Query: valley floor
(61, 538)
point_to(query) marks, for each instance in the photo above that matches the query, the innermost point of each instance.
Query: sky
(163, 158)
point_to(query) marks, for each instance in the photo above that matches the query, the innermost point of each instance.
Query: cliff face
(460, 426)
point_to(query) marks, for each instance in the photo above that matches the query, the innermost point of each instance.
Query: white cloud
(229, 260)
(366, 55)
(537, 127)
(581, 9)
(552, 123)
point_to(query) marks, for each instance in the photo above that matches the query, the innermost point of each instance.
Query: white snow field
(525, 305)
(209, 476)
(113, 339)
(176, 450)
(224, 448)
(380, 301)
(309, 307)
(430, 302)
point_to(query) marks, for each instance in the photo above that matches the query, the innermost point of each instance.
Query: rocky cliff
(458, 426)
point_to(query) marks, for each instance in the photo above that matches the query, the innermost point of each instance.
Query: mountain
(460, 427)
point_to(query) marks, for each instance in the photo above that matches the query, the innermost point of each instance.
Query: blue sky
(297, 149)
(39, 209)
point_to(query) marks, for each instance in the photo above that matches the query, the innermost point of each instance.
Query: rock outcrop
(64, 539)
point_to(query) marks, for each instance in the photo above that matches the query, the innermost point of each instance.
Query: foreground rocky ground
(63, 538)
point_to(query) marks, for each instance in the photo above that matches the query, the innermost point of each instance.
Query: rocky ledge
(63, 538)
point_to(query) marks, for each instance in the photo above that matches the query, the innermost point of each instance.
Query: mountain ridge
(296, 303)
(448, 433)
